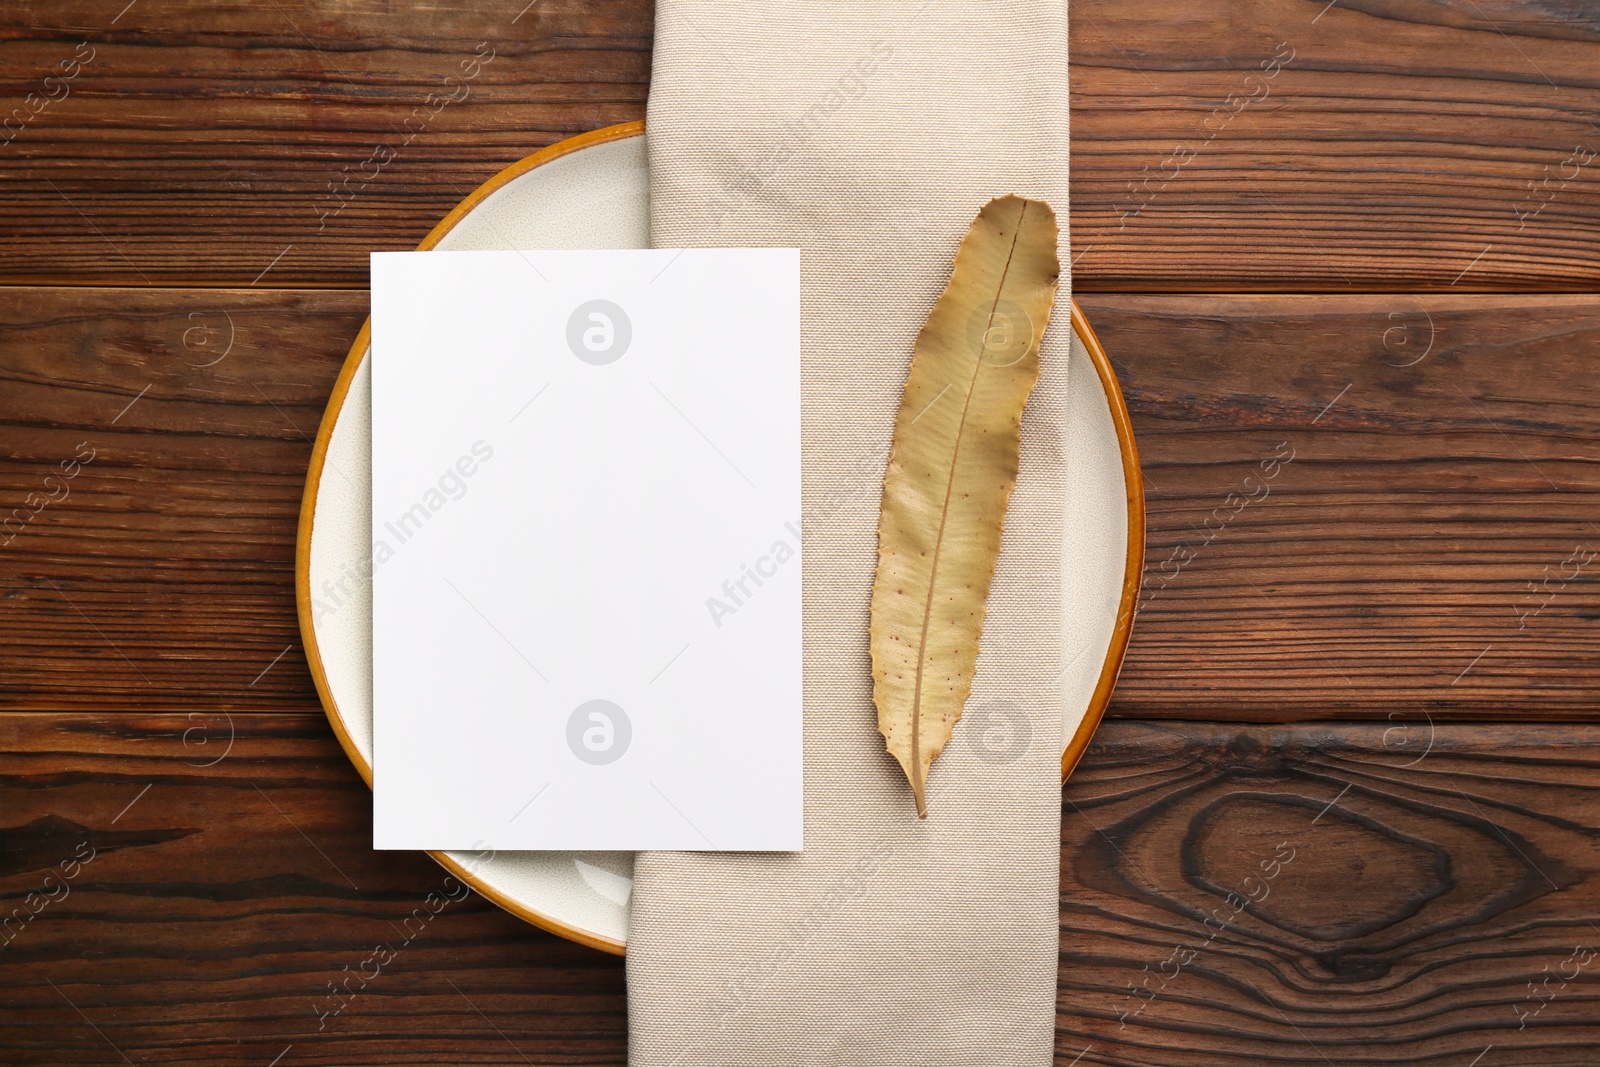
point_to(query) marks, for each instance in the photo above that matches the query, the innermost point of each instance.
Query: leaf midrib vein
(944, 514)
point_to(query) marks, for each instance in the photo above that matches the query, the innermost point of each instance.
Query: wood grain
(1418, 903)
(163, 569)
(232, 889)
(1251, 144)
(1359, 504)
(1345, 894)
(1368, 574)
(1339, 146)
(201, 144)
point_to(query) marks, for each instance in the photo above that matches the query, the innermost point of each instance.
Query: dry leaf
(951, 469)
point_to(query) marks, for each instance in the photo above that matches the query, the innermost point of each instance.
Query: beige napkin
(869, 135)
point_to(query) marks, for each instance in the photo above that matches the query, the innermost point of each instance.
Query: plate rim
(1133, 568)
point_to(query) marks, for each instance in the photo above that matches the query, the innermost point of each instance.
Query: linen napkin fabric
(869, 135)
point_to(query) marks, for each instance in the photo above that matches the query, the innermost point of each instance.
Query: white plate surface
(596, 197)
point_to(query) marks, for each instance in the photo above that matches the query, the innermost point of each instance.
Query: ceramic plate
(591, 192)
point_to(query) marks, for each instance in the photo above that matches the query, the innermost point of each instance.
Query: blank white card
(586, 550)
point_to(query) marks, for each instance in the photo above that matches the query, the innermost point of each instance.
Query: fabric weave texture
(868, 136)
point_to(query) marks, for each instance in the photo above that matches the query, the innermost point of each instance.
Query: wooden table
(1364, 234)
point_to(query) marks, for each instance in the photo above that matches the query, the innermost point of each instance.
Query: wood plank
(1428, 546)
(200, 144)
(1359, 504)
(1251, 144)
(1331, 894)
(1343, 146)
(232, 890)
(1405, 920)
(162, 570)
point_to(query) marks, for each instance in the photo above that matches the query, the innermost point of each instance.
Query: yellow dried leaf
(951, 469)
